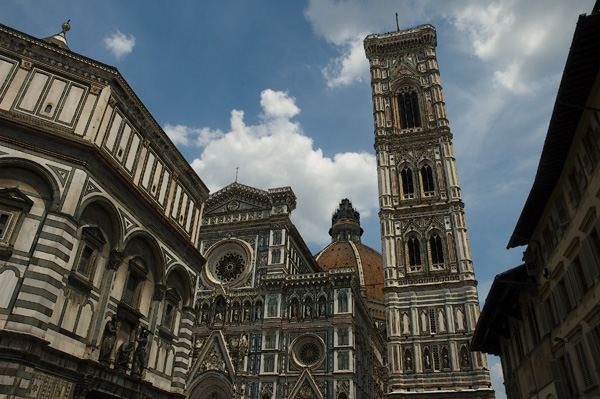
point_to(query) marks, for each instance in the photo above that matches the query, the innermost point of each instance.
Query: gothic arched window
(408, 186)
(427, 181)
(437, 251)
(414, 253)
(408, 108)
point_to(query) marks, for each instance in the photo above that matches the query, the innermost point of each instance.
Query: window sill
(166, 333)
(127, 312)
(80, 281)
(6, 250)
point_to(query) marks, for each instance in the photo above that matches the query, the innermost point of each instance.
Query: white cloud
(350, 67)
(497, 377)
(119, 44)
(520, 42)
(275, 153)
(186, 136)
(344, 24)
(277, 104)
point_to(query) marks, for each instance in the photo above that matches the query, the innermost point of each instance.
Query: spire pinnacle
(60, 39)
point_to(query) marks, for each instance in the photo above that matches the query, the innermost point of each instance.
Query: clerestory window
(414, 253)
(408, 187)
(437, 252)
(427, 181)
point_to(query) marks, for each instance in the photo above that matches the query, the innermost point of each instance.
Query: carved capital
(159, 292)
(95, 89)
(114, 260)
(27, 65)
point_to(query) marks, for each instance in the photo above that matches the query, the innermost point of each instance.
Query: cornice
(400, 41)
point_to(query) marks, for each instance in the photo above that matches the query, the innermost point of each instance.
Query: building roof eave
(580, 73)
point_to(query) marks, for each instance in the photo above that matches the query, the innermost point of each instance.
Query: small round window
(308, 351)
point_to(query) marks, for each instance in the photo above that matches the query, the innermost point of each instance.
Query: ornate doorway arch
(211, 385)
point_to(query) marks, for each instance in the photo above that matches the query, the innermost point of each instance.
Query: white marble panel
(32, 95)
(133, 151)
(113, 132)
(71, 104)
(8, 283)
(53, 96)
(148, 170)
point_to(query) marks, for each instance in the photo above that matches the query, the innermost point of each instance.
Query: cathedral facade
(123, 277)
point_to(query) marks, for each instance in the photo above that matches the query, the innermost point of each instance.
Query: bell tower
(430, 288)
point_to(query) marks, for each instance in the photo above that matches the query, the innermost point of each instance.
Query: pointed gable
(306, 387)
(239, 198)
(213, 356)
(236, 198)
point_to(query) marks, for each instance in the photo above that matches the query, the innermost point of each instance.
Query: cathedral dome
(347, 251)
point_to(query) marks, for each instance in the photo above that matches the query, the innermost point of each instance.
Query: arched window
(414, 253)
(427, 181)
(437, 252)
(408, 107)
(408, 187)
(132, 292)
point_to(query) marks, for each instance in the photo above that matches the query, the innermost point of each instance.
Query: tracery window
(230, 267)
(408, 108)
(437, 252)
(343, 336)
(342, 302)
(269, 364)
(276, 256)
(432, 321)
(272, 304)
(427, 181)
(414, 254)
(408, 187)
(343, 360)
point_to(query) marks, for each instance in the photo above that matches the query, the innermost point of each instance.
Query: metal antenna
(236, 173)
(397, 26)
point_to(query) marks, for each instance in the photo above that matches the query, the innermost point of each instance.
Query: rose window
(309, 353)
(230, 267)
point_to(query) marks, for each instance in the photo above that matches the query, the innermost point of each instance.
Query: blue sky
(281, 90)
